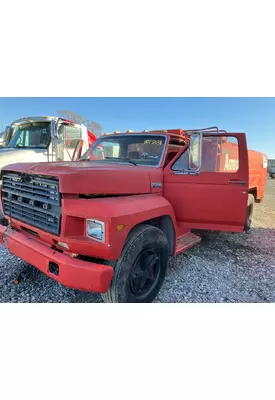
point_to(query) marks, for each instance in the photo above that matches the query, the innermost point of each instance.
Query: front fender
(125, 210)
(136, 211)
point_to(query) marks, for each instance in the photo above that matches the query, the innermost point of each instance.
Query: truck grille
(32, 199)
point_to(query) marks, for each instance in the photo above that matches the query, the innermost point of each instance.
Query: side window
(217, 154)
(182, 163)
(61, 132)
(220, 154)
(191, 158)
(70, 135)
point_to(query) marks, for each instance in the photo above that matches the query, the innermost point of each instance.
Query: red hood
(95, 177)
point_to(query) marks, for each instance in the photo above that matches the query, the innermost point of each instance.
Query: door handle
(236, 182)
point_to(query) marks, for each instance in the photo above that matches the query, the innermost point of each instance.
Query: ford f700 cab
(109, 222)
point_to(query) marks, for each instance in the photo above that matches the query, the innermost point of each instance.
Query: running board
(186, 241)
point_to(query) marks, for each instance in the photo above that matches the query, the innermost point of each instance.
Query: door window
(70, 135)
(190, 160)
(218, 154)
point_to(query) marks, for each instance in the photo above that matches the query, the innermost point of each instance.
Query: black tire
(146, 245)
(272, 176)
(249, 212)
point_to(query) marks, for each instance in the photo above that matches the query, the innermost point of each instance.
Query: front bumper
(73, 273)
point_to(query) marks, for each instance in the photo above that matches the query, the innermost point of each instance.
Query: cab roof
(41, 119)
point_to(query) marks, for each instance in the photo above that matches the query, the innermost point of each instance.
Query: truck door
(208, 183)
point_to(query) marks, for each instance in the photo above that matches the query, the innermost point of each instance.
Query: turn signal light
(120, 227)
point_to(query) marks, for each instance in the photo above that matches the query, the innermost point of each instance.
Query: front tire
(141, 269)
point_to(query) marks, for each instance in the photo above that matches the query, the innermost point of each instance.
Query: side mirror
(7, 133)
(78, 150)
(195, 152)
(53, 129)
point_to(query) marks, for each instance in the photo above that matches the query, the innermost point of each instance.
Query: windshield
(135, 149)
(34, 135)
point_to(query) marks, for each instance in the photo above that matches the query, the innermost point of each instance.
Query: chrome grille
(32, 199)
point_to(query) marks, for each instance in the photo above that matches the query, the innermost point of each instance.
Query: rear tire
(249, 212)
(141, 269)
(272, 176)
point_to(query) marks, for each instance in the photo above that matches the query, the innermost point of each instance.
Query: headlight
(95, 229)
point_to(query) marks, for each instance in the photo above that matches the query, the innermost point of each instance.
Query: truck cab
(42, 139)
(108, 222)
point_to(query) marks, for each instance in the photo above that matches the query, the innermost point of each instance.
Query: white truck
(42, 139)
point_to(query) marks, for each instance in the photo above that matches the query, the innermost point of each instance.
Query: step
(186, 241)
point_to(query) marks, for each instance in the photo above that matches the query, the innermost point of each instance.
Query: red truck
(108, 224)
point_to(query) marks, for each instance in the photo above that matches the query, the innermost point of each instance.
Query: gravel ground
(224, 267)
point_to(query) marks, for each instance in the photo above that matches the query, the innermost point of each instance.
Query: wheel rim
(144, 273)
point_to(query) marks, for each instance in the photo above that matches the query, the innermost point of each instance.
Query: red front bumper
(73, 273)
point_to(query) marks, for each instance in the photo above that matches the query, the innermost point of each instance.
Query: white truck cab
(42, 139)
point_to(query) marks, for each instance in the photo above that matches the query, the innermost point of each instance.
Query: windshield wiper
(122, 158)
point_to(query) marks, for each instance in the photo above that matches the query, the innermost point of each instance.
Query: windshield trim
(131, 134)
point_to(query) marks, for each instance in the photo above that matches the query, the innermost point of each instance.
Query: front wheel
(141, 269)
(272, 176)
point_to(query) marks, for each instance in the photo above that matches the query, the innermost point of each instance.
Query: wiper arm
(122, 158)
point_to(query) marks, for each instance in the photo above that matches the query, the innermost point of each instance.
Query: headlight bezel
(99, 223)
